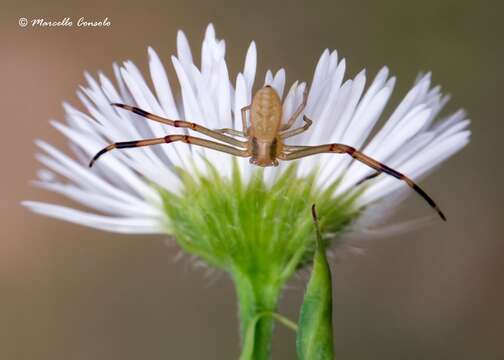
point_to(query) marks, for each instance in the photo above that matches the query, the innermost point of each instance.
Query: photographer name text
(66, 22)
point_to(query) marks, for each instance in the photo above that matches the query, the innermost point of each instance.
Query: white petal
(125, 94)
(162, 85)
(241, 100)
(290, 102)
(367, 115)
(99, 202)
(329, 110)
(126, 225)
(278, 82)
(249, 69)
(414, 97)
(183, 49)
(268, 80)
(357, 88)
(224, 97)
(362, 233)
(76, 171)
(319, 78)
(114, 166)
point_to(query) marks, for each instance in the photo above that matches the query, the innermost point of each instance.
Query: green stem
(256, 296)
(288, 323)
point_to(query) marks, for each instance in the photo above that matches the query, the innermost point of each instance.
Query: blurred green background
(67, 292)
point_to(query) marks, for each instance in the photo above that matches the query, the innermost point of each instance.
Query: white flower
(121, 190)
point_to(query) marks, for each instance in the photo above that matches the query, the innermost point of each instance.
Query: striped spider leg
(304, 151)
(229, 147)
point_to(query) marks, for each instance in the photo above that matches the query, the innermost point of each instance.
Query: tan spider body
(263, 132)
(262, 140)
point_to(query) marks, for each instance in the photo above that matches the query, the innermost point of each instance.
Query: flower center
(252, 227)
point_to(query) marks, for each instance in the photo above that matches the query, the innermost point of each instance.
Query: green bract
(315, 335)
(259, 234)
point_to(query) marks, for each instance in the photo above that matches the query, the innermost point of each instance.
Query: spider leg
(294, 147)
(183, 124)
(294, 132)
(169, 139)
(296, 114)
(369, 177)
(244, 118)
(357, 155)
(231, 132)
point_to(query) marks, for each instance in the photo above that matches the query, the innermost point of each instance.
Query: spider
(263, 139)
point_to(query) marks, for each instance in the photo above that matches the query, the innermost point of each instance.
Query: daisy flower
(252, 222)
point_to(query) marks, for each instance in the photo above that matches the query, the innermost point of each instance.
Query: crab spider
(262, 140)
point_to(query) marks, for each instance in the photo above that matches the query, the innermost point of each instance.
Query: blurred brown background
(68, 292)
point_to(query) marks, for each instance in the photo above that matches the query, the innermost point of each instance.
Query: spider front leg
(183, 124)
(369, 177)
(231, 132)
(244, 118)
(296, 114)
(169, 139)
(359, 156)
(289, 148)
(294, 132)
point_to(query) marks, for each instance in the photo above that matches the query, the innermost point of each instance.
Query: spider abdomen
(265, 114)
